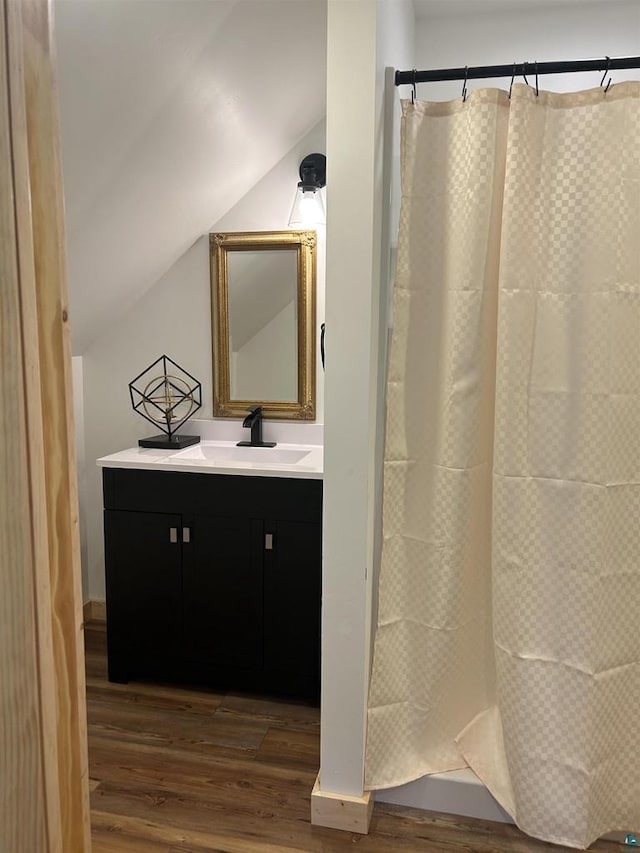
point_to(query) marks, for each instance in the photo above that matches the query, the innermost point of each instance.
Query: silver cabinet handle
(186, 534)
(268, 541)
(173, 535)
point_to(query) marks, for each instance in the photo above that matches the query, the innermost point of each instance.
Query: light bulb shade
(308, 209)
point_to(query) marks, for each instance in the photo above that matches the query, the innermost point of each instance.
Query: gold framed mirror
(263, 318)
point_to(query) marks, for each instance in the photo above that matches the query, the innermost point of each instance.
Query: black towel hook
(464, 85)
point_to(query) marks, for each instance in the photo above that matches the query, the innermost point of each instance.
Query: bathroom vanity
(213, 566)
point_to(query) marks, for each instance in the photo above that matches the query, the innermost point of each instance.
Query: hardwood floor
(188, 771)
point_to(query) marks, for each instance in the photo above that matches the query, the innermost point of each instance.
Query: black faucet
(254, 422)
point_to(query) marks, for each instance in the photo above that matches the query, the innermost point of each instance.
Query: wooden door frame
(44, 798)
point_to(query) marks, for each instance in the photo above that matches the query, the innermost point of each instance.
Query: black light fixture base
(313, 172)
(163, 442)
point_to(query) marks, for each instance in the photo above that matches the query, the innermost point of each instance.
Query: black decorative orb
(167, 396)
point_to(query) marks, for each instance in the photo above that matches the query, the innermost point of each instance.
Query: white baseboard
(94, 611)
(340, 811)
(457, 792)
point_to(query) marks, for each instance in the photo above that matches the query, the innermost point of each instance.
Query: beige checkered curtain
(508, 635)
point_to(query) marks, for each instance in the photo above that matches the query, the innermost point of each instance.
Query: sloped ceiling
(171, 110)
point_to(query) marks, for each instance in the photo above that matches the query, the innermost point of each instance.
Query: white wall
(355, 228)
(174, 318)
(77, 380)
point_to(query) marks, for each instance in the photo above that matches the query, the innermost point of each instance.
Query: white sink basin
(212, 452)
(224, 457)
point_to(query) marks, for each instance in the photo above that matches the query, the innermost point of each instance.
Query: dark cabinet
(214, 579)
(291, 595)
(143, 584)
(222, 591)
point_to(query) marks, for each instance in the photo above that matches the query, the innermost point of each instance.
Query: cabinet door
(292, 599)
(143, 574)
(222, 588)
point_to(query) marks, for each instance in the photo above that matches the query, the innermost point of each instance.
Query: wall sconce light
(308, 206)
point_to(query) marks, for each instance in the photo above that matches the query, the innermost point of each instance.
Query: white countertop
(205, 458)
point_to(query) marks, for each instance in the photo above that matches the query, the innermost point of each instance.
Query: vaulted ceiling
(171, 110)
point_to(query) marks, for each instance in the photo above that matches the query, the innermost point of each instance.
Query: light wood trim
(340, 811)
(57, 402)
(45, 622)
(24, 812)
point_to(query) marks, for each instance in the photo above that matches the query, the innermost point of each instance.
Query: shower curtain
(508, 635)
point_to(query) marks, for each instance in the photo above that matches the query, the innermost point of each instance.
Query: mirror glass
(263, 329)
(263, 321)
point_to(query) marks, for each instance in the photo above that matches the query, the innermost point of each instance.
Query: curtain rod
(517, 69)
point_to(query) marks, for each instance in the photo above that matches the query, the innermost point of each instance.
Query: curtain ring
(537, 90)
(413, 90)
(524, 72)
(464, 85)
(513, 77)
(606, 71)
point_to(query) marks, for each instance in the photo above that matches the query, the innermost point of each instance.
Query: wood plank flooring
(194, 771)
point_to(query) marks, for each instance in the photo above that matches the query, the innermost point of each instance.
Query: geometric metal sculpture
(167, 396)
